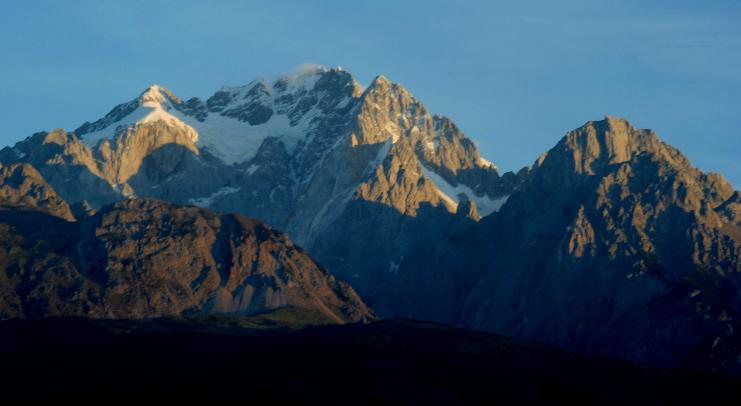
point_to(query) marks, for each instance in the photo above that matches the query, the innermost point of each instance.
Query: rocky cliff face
(146, 258)
(23, 187)
(617, 245)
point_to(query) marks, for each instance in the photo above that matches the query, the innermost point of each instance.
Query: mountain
(616, 245)
(610, 243)
(142, 258)
(312, 154)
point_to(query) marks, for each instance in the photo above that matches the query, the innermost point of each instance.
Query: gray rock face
(615, 245)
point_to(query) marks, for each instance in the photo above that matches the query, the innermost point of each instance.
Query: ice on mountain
(486, 163)
(252, 168)
(153, 107)
(209, 200)
(451, 194)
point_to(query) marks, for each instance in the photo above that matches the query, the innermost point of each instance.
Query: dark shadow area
(54, 233)
(168, 172)
(390, 362)
(416, 266)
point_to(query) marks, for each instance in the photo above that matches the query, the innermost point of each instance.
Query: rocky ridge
(617, 245)
(306, 153)
(22, 186)
(142, 258)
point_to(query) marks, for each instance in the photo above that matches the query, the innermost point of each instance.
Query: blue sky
(514, 75)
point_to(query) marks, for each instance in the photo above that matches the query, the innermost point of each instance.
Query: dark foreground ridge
(392, 361)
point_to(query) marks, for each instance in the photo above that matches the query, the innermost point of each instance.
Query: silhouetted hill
(388, 362)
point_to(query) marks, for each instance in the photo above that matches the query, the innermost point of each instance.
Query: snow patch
(235, 141)
(342, 104)
(486, 163)
(451, 194)
(231, 140)
(393, 130)
(208, 201)
(252, 168)
(381, 155)
(272, 192)
(153, 107)
(394, 265)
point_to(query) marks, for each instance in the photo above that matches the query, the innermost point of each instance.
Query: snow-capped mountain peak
(289, 108)
(155, 104)
(304, 79)
(302, 117)
(155, 95)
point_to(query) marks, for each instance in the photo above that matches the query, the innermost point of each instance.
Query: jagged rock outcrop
(22, 186)
(144, 258)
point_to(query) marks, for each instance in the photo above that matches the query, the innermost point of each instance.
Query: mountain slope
(306, 153)
(617, 245)
(146, 258)
(22, 186)
(611, 243)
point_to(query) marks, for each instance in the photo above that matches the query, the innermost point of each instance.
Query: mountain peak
(616, 121)
(156, 95)
(615, 125)
(380, 81)
(381, 85)
(608, 141)
(152, 94)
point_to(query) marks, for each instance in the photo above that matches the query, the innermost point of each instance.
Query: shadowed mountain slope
(616, 245)
(146, 258)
